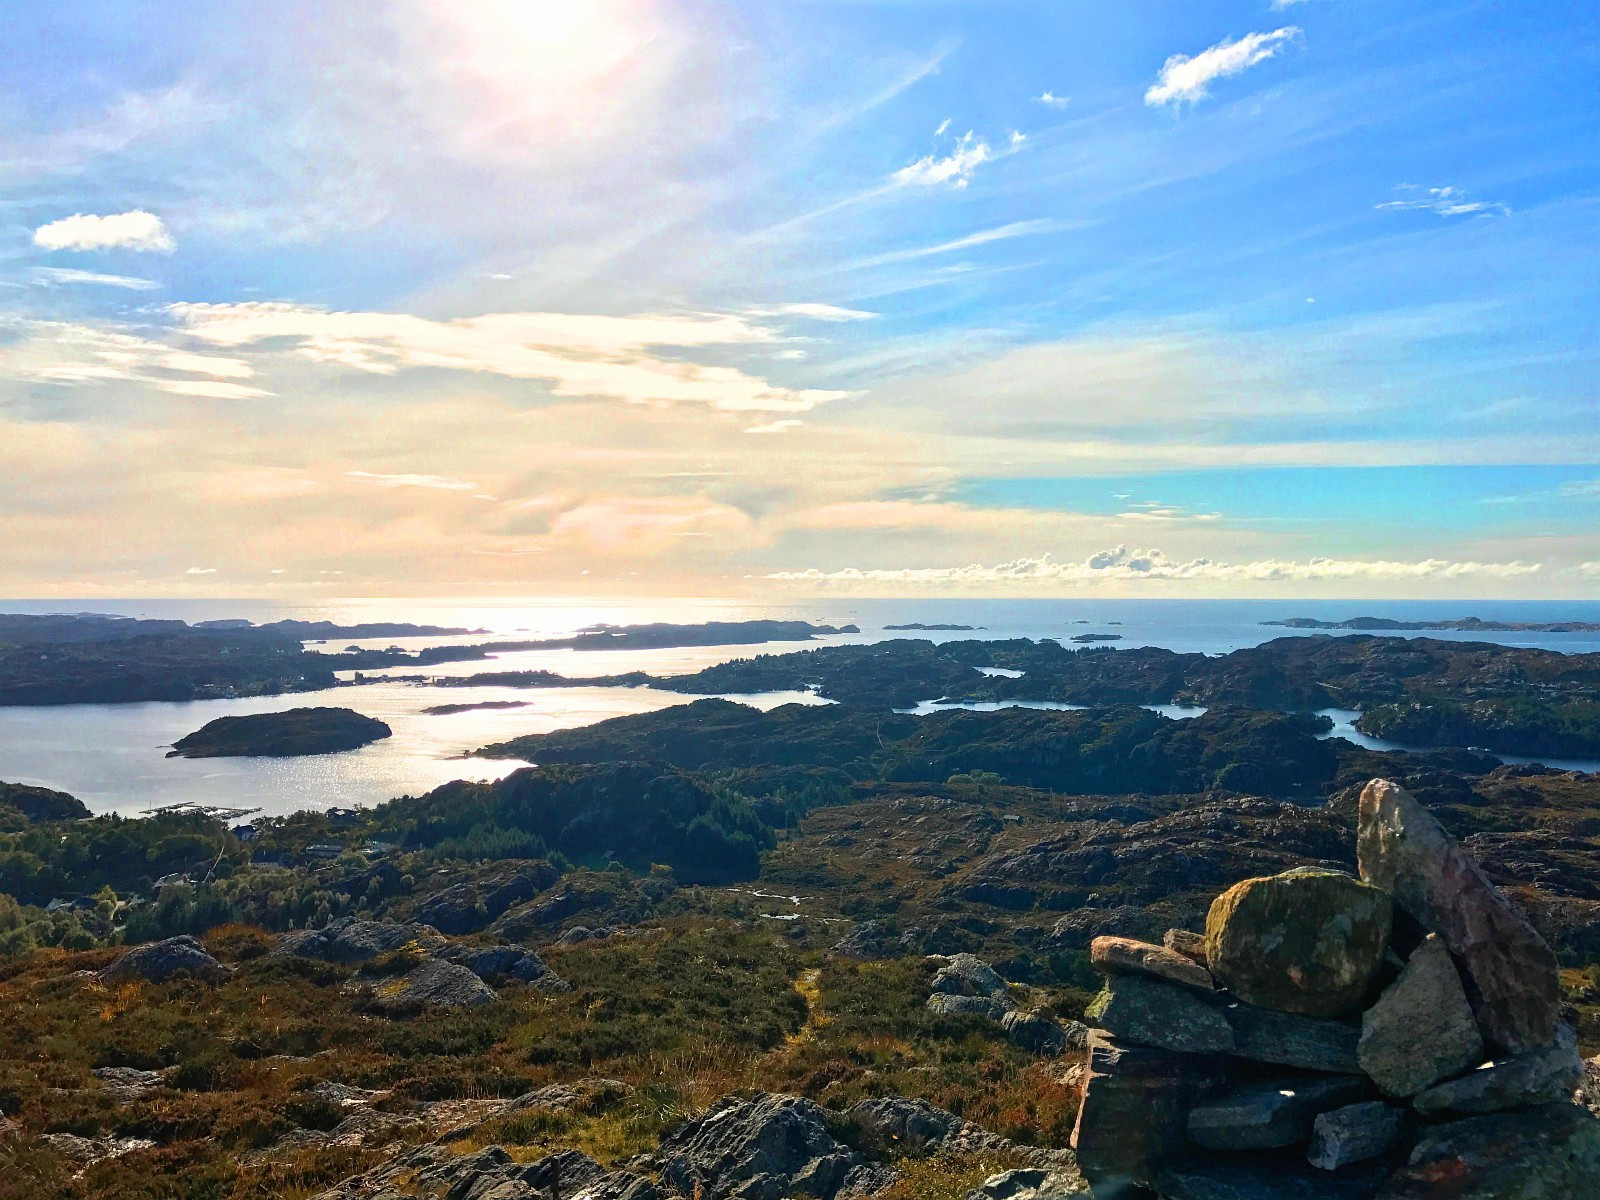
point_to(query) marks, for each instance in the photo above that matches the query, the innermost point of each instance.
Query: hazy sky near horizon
(1278, 297)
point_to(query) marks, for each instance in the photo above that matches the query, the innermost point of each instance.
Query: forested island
(97, 659)
(291, 734)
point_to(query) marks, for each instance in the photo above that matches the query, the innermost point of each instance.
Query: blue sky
(740, 298)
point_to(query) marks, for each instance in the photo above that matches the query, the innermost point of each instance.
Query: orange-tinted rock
(1129, 956)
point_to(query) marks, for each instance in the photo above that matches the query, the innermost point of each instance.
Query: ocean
(112, 756)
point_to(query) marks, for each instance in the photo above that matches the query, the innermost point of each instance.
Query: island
(94, 658)
(1464, 625)
(1097, 637)
(918, 626)
(291, 734)
(445, 710)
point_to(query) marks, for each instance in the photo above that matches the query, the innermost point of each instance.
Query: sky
(769, 300)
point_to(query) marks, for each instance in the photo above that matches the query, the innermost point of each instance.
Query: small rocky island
(290, 734)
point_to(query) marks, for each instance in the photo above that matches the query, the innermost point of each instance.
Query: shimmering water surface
(113, 756)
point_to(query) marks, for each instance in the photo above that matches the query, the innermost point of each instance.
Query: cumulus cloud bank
(1186, 78)
(579, 355)
(1122, 563)
(135, 230)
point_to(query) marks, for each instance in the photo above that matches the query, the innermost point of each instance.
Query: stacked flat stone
(1334, 1036)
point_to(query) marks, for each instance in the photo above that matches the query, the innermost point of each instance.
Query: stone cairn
(1397, 1035)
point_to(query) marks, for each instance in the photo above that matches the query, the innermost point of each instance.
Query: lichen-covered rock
(1129, 956)
(1355, 1133)
(1272, 1113)
(1513, 974)
(1287, 1040)
(993, 1008)
(159, 961)
(353, 940)
(1543, 1076)
(765, 1148)
(510, 962)
(1034, 1032)
(968, 975)
(1421, 1030)
(1307, 941)
(432, 984)
(1546, 1153)
(1148, 1012)
(1134, 1109)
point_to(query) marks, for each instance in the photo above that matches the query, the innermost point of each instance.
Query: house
(324, 850)
(343, 818)
(245, 833)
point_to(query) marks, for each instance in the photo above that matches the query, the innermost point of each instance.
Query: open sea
(112, 756)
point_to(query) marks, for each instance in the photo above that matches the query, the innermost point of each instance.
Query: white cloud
(201, 571)
(814, 312)
(209, 389)
(1150, 510)
(1446, 201)
(69, 354)
(136, 230)
(52, 276)
(441, 483)
(1589, 570)
(580, 355)
(1121, 563)
(1280, 5)
(1051, 100)
(943, 125)
(955, 168)
(1018, 137)
(1185, 78)
(780, 426)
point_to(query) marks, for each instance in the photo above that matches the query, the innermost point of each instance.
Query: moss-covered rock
(1307, 941)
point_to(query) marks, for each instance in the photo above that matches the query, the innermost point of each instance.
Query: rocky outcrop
(1148, 1012)
(160, 961)
(353, 940)
(1403, 850)
(1307, 941)
(433, 984)
(766, 1148)
(470, 906)
(901, 1124)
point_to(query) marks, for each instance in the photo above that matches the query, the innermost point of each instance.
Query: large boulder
(1148, 1012)
(765, 1148)
(1308, 941)
(1421, 1030)
(160, 961)
(1547, 1153)
(1265, 1177)
(1515, 985)
(968, 975)
(432, 984)
(1134, 1109)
